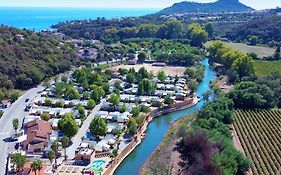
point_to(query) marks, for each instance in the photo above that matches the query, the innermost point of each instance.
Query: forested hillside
(194, 7)
(27, 57)
(264, 31)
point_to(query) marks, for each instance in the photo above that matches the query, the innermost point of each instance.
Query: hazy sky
(257, 4)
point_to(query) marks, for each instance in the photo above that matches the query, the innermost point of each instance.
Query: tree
(114, 153)
(192, 85)
(98, 127)
(132, 126)
(72, 93)
(209, 28)
(48, 101)
(64, 143)
(37, 165)
(253, 40)
(190, 73)
(141, 57)
(15, 124)
(45, 116)
(14, 96)
(114, 99)
(197, 35)
(19, 160)
(206, 95)
(54, 147)
(140, 88)
(91, 104)
(123, 108)
(130, 78)
(161, 76)
(168, 100)
(35, 75)
(51, 156)
(68, 125)
(277, 54)
(2, 95)
(136, 111)
(244, 66)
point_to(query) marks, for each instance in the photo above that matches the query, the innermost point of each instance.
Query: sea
(41, 18)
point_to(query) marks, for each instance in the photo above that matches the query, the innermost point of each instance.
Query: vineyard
(259, 132)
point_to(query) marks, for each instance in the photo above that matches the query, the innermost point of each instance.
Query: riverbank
(164, 160)
(142, 129)
(157, 128)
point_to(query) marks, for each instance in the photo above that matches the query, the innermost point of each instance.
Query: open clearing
(265, 68)
(173, 70)
(259, 134)
(261, 51)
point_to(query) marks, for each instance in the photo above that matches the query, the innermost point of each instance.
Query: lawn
(260, 50)
(264, 68)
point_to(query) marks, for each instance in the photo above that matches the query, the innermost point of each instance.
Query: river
(158, 127)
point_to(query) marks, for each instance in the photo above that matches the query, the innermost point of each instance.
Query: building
(38, 136)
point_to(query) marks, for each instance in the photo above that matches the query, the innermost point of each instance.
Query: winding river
(158, 127)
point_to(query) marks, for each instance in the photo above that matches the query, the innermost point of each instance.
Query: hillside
(267, 30)
(27, 57)
(194, 7)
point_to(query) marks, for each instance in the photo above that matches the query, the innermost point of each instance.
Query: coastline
(141, 130)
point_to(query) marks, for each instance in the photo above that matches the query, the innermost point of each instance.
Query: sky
(257, 4)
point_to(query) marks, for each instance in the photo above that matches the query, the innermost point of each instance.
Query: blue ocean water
(42, 18)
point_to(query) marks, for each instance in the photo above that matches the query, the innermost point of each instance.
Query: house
(19, 37)
(159, 64)
(85, 154)
(38, 136)
(132, 62)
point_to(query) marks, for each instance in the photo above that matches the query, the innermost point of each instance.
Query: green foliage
(98, 127)
(59, 104)
(72, 93)
(132, 126)
(220, 109)
(25, 63)
(161, 76)
(14, 95)
(15, 123)
(114, 99)
(2, 95)
(253, 40)
(192, 85)
(136, 111)
(141, 57)
(197, 35)
(209, 28)
(251, 95)
(91, 104)
(68, 125)
(19, 160)
(48, 101)
(45, 116)
(168, 100)
(123, 108)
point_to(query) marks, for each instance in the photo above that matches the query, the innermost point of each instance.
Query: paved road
(70, 151)
(16, 110)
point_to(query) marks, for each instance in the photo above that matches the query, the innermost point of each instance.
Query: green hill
(194, 7)
(27, 57)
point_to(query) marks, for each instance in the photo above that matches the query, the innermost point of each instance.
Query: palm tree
(51, 156)
(40, 165)
(64, 143)
(19, 160)
(54, 147)
(34, 166)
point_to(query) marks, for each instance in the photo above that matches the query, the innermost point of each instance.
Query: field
(173, 70)
(264, 68)
(259, 134)
(260, 50)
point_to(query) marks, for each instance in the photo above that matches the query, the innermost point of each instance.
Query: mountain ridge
(196, 7)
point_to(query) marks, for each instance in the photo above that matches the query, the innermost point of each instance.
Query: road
(76, 140)
(16, 110)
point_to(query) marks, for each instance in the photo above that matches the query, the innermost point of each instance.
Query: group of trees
(208, 148)
(236, 64)
(24, 63)
(68, 125)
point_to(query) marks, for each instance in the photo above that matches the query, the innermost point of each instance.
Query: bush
(45, 116)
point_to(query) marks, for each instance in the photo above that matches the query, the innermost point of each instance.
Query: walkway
(76, 140)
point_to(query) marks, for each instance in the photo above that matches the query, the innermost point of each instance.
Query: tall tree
(209, 28)
(64, 143)
(114, 99)
(15, 124)
(54, 147)
(98, 127)
(68, 125)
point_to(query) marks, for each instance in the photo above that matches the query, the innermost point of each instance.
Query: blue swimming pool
(96, 166)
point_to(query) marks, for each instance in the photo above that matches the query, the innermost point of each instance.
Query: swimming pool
(96, 166)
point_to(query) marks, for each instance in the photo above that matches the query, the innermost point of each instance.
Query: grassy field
(264, 68)
(259, 134)
(260, 50)
(173, 70)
